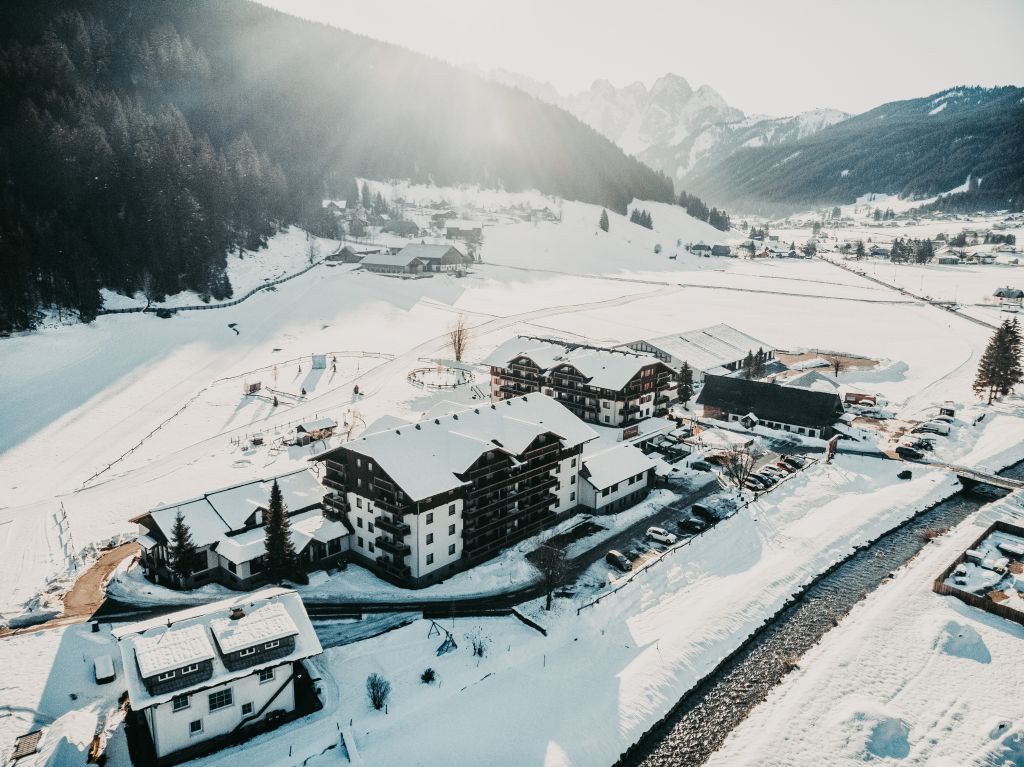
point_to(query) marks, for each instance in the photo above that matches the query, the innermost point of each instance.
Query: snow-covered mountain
(670, 126)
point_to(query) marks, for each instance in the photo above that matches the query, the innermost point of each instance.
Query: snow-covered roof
(424, 457)
(389, 259)
(615, 464)
(172, 649)
(305, 527)
(212, 516)
(267, 623)
(197, 622)
(707, 348)
(317, 425)
(426, 251)
(385, 423)
(604, 368)
(814, 381)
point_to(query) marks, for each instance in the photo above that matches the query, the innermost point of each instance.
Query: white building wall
(596, 500)
(170, 728)
(444, 517)
(361, 513)
(568, 489)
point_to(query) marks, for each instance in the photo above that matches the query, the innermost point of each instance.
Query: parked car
(661, 535)
(702, 512)
(754, 482)
(943, 418)
(932, 427)
(794, 460)
(773, 472)
(700, 466)
(909, 453)
(768, 479)
(619, 561)
(692, 526)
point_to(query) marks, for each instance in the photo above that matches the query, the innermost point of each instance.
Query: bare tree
(738, 462)
(378, 690)
(838, 364)
(552, 563)
(458, 338)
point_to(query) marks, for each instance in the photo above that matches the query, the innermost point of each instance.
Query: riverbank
(908, 675)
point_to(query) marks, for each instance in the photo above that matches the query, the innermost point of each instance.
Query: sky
(763, 57)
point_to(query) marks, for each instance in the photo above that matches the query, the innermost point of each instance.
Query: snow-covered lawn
(909, 677)
(600, 679)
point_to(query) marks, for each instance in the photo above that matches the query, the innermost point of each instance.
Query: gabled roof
(771, 402)
(615, 464)
(192, 629)
(423, 458)
(267, 623)
(603, 368)
(1009, 292)
(707, 348)
(317, 425)
(428, 251)
(390, 259)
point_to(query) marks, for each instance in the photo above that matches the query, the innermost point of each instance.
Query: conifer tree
(759, 364)
(603, 223)
(367, 197)
(685, 384)
(183, 553)
(748, 366)
(278, 540)
(860, 249)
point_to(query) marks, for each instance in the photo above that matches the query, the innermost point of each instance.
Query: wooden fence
(939, 585)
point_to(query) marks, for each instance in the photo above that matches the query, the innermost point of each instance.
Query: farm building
(436, 258)
(460, 229)
(1010, 298)
(718, 349)
(786, 408)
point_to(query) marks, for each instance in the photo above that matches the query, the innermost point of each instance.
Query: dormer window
(190, 669)
(272, 645)
(164, 677)
(247, 651)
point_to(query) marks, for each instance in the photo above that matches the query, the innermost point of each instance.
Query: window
(220, 699)
(165, 677)
(359, 521)
(615, 487)
(430, 559)
(451, 510)
(430, 518)
(572, 480)
(451, 549)
(359, 542)
(196, 727)
(573, 463)
(572, 496)
(246, 709)
(369, 527)
(256, 565)
(607, 419)
(246, 652)
(558, 468)
(359, 463)
(266, 675)
(604, 492)
(430, 538)
(451, 529)
(179, 702)
(272, 645)
(370, 547)
(359, 481)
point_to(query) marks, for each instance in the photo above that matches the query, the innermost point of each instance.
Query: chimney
(237, 613)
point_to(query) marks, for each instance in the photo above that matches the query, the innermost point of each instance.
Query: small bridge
(981, 477)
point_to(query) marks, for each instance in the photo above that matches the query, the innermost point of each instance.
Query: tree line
(699, 209)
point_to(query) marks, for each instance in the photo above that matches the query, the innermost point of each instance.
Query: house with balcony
(430, 498)
(208, 677)
(228, 527)
(611, 387)
(803, 411)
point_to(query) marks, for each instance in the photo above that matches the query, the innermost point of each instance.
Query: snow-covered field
(909, 677)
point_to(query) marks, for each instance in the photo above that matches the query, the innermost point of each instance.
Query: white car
(661, 535)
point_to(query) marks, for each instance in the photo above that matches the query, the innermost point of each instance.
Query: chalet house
(314, 431)
(1010, 298)
(435, 258)
(228, 529)
(615, 478)
(460, 229)
(394, 263)
(348, 254)
(700, 249)
(721, 250)
(786, 408)
(612, 387)
(431, 498)
(718, 349)
(198, 679)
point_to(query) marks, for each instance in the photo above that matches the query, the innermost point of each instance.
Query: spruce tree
(278, 541)
(183, 554)
(685, 384)
(603, 223)
(367, 198)
(1010, 371)
(759, 364)
(748, 366)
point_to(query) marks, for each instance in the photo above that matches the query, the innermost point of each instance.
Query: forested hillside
(141, 142)
(919, 148)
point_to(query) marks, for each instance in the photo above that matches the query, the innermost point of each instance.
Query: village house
(615, 478)
(612, 387)
(206, 677)
(700, 249)
(1010, 298)
(467, 231)
(428, 499)
(435, 257)
(393, 263)
(718, 349)
(721, 250)
(228, 527)
(787, 408)
(314, 431)
(350, 254)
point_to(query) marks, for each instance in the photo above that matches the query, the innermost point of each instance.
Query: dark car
(909, 453)
(700, 466)
(619, 561)
(703, 513)
(692, 526)
(793, 460)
